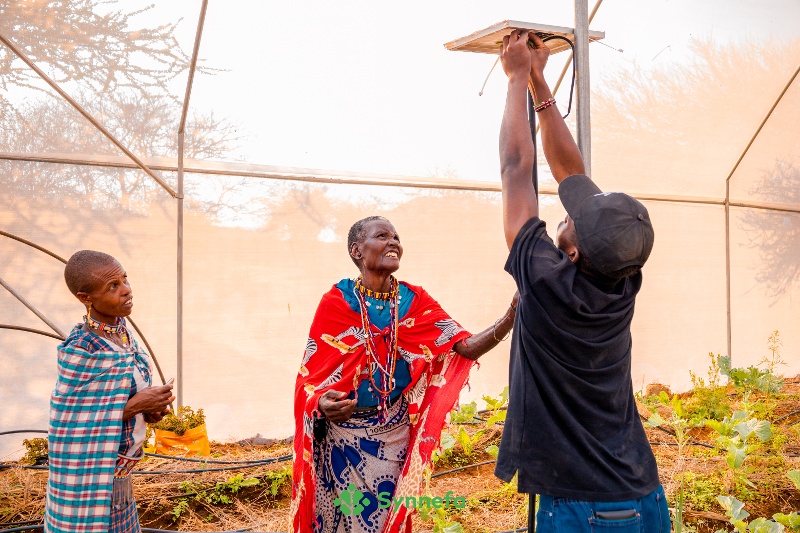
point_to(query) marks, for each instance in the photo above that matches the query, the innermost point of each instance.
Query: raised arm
(560, 150)
(516, 146)
(475, 346)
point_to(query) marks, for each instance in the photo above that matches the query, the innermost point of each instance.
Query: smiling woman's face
(380, 251)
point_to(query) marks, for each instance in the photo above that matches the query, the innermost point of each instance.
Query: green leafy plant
(792, 520)
(468, 442)
(441, 520)
(735, 433)
(701, 490)
(708, 400)
(37, 451)
(734, 510)
(185, 419)
(466, 414)
(445, 449)
(221, 492)
(751, 378)
(277, 479)
(681, 424)
(181, 507)
(496, 406)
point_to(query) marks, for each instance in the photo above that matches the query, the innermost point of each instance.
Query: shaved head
(80, 272)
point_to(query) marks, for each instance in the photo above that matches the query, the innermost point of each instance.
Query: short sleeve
(533, 255)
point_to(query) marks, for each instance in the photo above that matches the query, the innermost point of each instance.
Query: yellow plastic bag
(193, 442)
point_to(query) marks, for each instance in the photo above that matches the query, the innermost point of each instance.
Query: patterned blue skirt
(357, 467)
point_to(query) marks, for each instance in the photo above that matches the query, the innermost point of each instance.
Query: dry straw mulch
(491, 504)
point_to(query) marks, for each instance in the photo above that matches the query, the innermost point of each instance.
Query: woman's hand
(153, 418)
(334, 406)
(152, 400)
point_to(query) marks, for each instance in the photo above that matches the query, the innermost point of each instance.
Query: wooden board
(487, 41)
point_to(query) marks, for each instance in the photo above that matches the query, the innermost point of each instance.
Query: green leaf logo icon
(350, 501)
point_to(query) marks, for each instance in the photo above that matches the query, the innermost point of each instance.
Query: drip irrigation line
(167, 472)
(199, 470)
(23, 431)
(520, 530)
(25, 528)
(22, 523)
(437, 474)
(484, 411)
(144, 529)
(209, 461)
(786, 416)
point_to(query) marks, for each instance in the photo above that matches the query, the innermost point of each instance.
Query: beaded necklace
(386, 373)
(108, 329)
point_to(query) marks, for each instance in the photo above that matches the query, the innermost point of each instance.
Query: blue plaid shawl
(86, 432)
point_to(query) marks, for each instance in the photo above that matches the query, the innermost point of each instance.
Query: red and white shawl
(334, 358)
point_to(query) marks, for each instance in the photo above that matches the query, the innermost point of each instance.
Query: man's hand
(539, 54)
(149, 400)
(514, 54)
(335, 407)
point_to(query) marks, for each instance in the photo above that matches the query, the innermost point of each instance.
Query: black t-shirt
(572, 428)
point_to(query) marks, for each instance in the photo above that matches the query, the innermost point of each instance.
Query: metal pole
(179, 370)
(86, 114)
(181, 138)
(728, 265)
(31, 330)
(30, 306)
(569, 59)
(582, 72)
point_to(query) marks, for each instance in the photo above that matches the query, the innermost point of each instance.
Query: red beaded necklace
(386, 372)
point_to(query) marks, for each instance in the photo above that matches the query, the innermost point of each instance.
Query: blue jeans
(648, 514)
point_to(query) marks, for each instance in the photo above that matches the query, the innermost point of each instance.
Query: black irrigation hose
(144, 529)
(209, 461)
(22, 523)
(23, 431)
(24, 528)
(786, 416)
(200, 470)
(166, 472)
(437, 474)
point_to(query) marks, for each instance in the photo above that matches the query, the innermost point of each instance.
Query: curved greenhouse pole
(32, 330)
(61, 337)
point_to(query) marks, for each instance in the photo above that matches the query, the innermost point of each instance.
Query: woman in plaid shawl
(99, 406)
(383, 366)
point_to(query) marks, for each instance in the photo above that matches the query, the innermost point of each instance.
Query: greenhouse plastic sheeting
(368, 93)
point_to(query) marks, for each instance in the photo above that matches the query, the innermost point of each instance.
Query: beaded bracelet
(494, 331)
(544, 105)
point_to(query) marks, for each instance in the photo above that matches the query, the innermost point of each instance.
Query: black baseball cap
(614, 229)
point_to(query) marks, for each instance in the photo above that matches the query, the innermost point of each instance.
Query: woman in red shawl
(369, 408)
